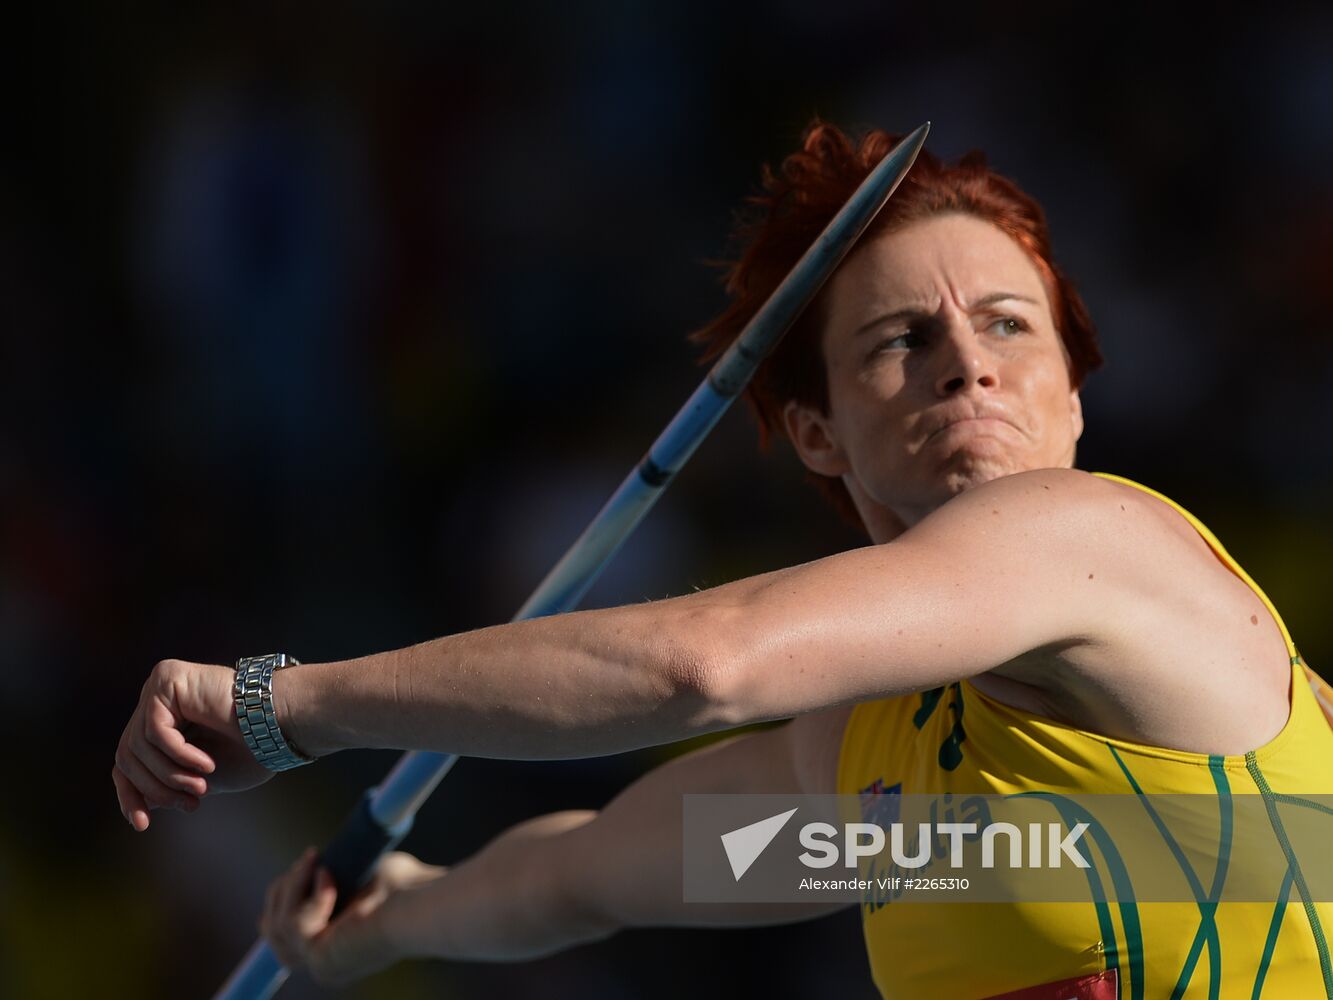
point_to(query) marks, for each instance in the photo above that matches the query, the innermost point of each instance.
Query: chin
(971, 470)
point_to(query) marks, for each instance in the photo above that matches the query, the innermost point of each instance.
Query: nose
(963, 361)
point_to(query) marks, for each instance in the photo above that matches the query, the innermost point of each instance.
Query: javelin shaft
(566, 584)
(384, 816)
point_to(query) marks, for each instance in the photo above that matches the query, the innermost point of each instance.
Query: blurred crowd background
(326, 328)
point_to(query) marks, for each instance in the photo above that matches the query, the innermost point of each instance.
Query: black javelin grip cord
(384, 815)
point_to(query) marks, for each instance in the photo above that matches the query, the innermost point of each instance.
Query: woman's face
(945, 371)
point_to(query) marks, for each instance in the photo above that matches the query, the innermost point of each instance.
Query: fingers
(156, 767)
(132, 804)
(152, 793)
(167, 771)
(317, 909)
(297, 911)
(161, 728)
(294, 886)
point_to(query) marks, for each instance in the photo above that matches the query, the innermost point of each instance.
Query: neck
(881, 523)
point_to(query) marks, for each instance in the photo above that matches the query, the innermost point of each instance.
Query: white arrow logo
(744, 846)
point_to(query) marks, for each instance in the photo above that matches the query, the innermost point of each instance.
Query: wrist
(343, 705)
(256, 716)
(295, 704)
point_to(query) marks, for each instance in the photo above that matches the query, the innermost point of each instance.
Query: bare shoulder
(1119, 550)
(1047, 500)
(1065, 519)
(1183, 653)
(1097, 598)
(1083, 540)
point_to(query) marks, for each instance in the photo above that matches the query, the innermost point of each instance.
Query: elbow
(707, 663)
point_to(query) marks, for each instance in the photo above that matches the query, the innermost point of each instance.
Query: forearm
(506, 903)
(573, 685)
(572, 877)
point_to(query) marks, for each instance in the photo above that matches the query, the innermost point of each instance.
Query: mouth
(973, 424)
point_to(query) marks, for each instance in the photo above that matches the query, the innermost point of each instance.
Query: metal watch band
(254, 711)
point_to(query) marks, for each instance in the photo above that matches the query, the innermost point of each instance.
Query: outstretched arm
(1039, 559)
(1024, 562)
(566, 878)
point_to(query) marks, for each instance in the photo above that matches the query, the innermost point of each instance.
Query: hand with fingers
(300, 927)
(182, 743)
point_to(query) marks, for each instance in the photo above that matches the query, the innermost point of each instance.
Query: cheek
(879, 426)
(880, 399)
(1047, 382)
(857, 394)
(880, 383)
(1050, 397)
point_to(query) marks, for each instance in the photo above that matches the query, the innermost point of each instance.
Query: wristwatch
(254, 711)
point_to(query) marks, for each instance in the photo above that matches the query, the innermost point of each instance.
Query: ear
(813, 436)
(1076, 413)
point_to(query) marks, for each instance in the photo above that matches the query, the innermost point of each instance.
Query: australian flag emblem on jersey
(880, 805)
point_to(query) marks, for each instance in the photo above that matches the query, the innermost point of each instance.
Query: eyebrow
(919, 313)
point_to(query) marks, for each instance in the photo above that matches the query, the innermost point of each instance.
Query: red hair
(795, 205)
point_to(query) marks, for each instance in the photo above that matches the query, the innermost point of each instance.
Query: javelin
(384, 815)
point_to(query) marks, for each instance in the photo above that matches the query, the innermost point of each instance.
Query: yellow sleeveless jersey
(955, 739)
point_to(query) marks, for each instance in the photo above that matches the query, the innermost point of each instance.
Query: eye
(1009, 325)
(909, 338)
